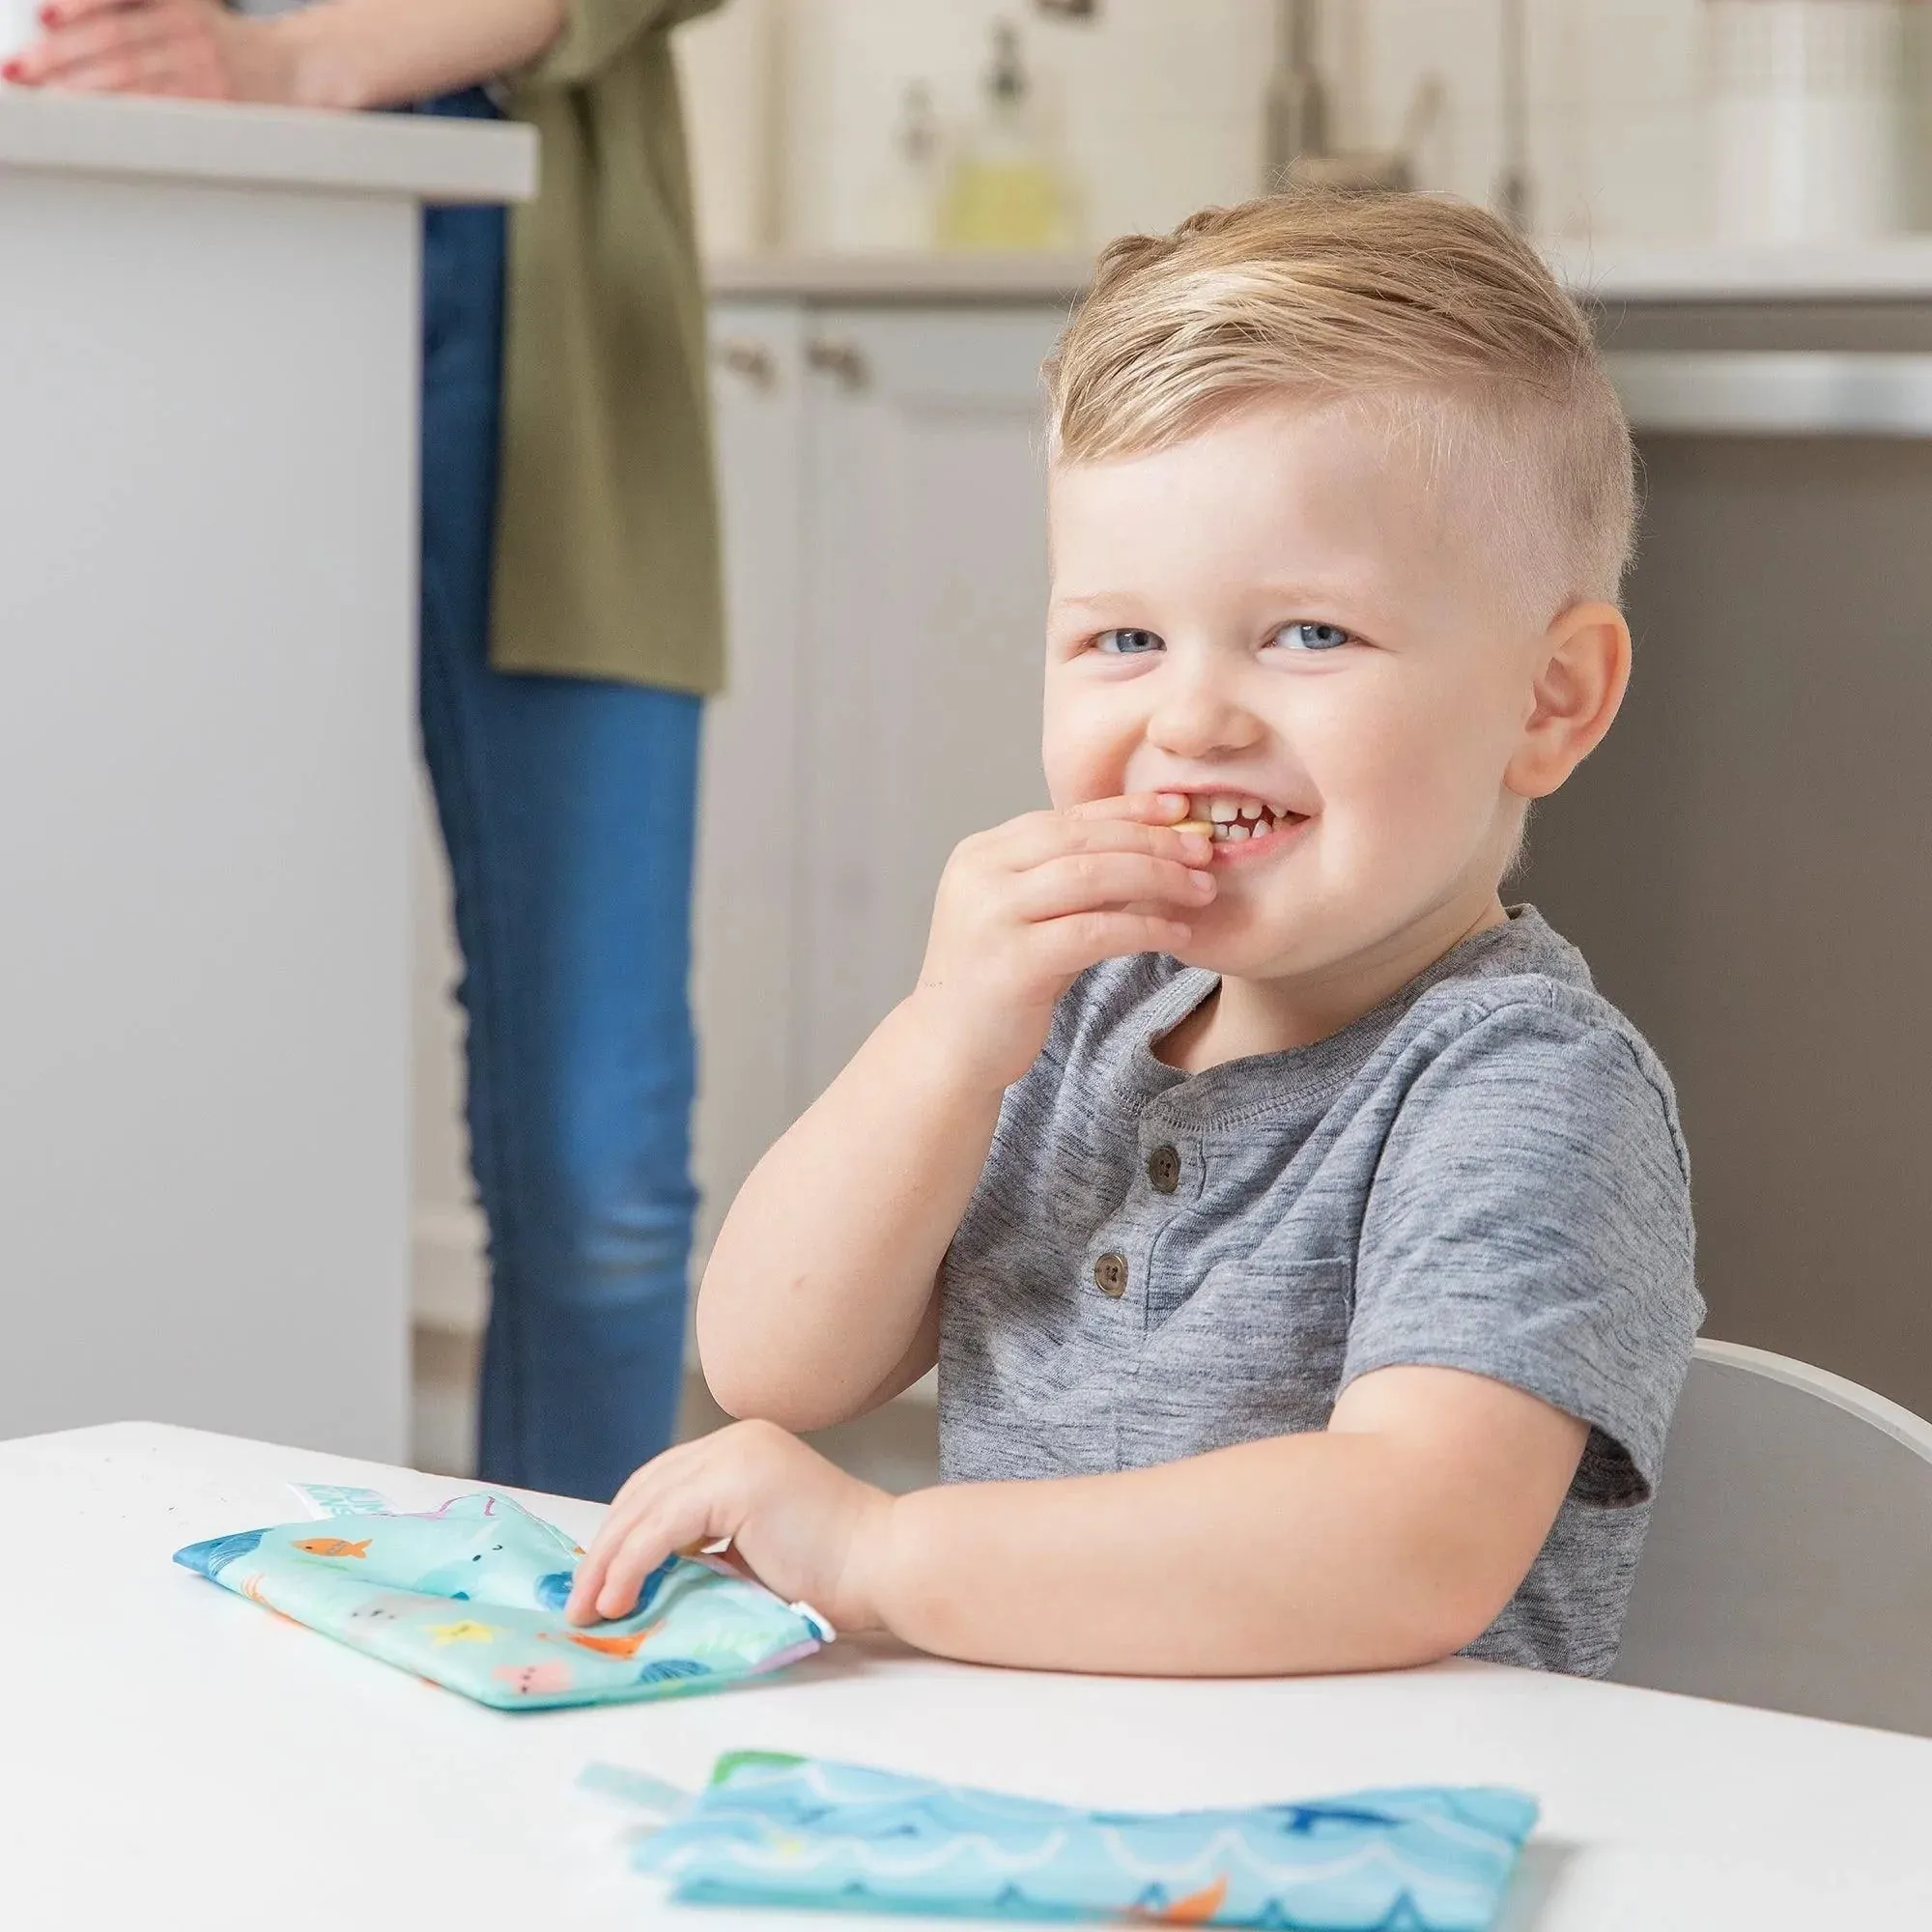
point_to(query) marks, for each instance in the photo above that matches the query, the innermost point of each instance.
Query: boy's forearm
(823, 1272)
(1304, 1554)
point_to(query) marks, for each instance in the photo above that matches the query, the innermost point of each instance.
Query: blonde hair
(1421, 307)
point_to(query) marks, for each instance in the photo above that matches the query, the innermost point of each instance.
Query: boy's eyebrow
(1097, 600)
(1311, 591)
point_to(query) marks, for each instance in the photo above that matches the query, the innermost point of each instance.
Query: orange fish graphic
(333, 1545)
(627, 1645)
(1198, 1908)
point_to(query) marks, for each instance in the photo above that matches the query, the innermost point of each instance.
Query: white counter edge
(428, 159)
(1899, 269)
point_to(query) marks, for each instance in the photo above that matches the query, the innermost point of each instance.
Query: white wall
(1159, 103)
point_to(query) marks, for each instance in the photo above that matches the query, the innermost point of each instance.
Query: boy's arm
(819, 1298)
(1392, 1538)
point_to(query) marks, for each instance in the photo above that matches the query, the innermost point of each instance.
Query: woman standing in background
(571, 625)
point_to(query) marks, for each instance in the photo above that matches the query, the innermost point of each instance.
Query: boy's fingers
(579, 1608)
(1051, 835)
(1086, 938)
(1090, 881)
(591, 1570)
(651, 1540)
(1142, 807)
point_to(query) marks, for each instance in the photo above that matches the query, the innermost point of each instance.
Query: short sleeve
(596, 31)
(1530, 1221)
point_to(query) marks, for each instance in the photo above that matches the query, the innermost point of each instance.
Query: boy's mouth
(1230, 819)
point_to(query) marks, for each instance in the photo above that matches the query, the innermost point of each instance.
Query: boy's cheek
(1078, 771)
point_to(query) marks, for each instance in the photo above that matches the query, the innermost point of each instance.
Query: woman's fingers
(1090, 881)
(117, 54)
(148, 46)
(58, 13)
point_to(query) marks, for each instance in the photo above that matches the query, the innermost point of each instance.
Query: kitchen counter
(1894, 271)
(211, 354)
(264, 147)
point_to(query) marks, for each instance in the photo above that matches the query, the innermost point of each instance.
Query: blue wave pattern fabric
(472, 1596)
(786, 1830)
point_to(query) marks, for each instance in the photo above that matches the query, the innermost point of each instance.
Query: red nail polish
(50, 16)
(12, 70)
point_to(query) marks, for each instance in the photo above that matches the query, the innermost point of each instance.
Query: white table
(171, 1755)
(208, 360)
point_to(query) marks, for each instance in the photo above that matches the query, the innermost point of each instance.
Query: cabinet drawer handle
(830, 355)
(751, 360)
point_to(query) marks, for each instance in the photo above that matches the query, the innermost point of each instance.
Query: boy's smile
(1280, 620)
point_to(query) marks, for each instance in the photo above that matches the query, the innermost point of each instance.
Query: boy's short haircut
(1419, 307)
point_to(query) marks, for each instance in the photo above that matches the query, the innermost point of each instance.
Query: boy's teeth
(1228, 819)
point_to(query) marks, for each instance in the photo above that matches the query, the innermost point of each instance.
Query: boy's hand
(803, 1528)
(1025, 908)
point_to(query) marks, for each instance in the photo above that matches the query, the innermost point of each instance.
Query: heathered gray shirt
(1486, 1173)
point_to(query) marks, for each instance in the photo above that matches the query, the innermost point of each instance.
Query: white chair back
(1789, 1562)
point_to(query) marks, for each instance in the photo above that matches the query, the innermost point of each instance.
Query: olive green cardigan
(606, 530)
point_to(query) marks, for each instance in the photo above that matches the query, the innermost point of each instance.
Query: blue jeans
(568, 808)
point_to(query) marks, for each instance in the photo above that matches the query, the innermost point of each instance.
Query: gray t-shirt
(1486, 1173)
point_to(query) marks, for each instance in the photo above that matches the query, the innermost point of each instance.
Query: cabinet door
(925, 570)
(747, 818)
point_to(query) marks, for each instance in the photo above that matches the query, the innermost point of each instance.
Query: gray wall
(1746, 863)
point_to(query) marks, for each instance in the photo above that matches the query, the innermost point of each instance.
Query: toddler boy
(1304, 1246)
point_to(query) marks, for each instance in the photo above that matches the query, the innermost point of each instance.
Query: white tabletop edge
(406, 156)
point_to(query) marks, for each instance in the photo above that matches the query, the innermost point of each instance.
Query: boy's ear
(1582, 669)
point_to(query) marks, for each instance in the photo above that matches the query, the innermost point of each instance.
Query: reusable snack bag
(771, 1829)
(471, 1597)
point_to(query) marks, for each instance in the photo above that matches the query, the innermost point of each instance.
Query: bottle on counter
(906, 213)
(1007, 188)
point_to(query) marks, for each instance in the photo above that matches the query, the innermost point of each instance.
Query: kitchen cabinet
(882, 472)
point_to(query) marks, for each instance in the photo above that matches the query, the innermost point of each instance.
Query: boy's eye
(1128, 643)
(1309, 637)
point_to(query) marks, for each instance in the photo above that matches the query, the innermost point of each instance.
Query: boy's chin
(1233, 955)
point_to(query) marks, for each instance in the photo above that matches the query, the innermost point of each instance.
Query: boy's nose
(1197, 717)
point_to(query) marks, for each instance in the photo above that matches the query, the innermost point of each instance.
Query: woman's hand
(190, 48)
(347, 54)
(803, 1527)
(1027, 907)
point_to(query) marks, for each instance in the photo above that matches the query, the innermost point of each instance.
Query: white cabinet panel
(927, 585)
(748, 830)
